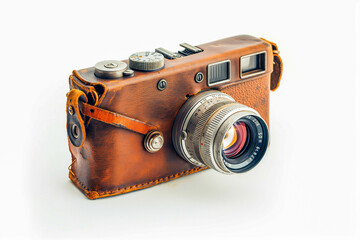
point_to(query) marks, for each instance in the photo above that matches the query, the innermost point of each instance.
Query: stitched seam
(156, 181)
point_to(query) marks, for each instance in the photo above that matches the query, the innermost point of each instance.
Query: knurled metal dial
(146, 61)
(110, 69)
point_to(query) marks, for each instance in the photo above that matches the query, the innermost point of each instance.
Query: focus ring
(210, 131)
(202, 122)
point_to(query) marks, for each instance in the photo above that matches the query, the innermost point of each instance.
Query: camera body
(112, 159)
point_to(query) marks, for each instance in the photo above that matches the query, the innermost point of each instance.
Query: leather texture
(278, 66)
(112, 160)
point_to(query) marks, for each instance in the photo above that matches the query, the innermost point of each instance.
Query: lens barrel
(203, 125)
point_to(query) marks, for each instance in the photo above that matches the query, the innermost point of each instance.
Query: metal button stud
(153, 141)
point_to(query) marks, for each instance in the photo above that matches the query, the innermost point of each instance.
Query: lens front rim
(255, 151)
(212, 147)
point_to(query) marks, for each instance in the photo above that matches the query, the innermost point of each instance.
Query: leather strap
(277, 68)
(77, 106)
(116, 119)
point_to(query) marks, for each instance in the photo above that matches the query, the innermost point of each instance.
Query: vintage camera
(161, 115)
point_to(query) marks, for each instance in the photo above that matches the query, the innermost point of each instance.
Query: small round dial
(110, 69)
(146, 61)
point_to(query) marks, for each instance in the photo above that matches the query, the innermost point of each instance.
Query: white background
(307, 186)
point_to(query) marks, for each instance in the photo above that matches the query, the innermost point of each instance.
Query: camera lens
(248, 138)
(212, 129)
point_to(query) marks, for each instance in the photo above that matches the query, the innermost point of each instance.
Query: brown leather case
(114, 115)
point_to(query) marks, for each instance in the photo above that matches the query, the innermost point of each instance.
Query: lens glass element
(245, 143)
(235, 139)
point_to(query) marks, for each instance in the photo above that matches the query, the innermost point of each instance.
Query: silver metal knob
(146, 61)
(153, 141)
(128, 73)
(110, 69)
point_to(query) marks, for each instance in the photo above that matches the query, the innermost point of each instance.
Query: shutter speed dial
(146, 61)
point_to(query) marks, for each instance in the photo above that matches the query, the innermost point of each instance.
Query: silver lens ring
(202, 124)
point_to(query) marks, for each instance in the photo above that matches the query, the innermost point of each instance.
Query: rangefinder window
(218, 72)
(252, 64)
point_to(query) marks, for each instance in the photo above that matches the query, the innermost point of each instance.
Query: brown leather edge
(93, 97)
(77, 74)
(73, 98)
(89, 88)
(278, 66)
(277, 73)
(100, 194)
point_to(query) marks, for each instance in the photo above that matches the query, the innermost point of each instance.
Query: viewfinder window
(218, 72)
(252, 65)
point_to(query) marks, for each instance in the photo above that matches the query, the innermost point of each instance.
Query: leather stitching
(93, 194)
